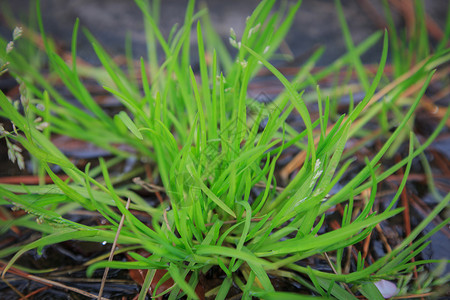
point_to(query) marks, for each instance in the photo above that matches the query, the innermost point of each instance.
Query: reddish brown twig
(28, 179)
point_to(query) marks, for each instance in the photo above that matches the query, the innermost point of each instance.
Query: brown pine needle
(47, 282)
(113, 248)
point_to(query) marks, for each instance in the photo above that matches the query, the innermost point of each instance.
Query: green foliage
(211, 154)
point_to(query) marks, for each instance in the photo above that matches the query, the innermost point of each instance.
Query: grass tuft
(212, 156)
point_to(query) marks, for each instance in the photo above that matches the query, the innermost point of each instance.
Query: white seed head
(253, 29)
(233, 42)
(42, 126)
(20, 161)
(11, 155)
(232, 34)
(2, 130)
(317, 165)
(17, 33)
(9, 47)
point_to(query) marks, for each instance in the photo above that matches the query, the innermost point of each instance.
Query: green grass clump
(216, 162)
